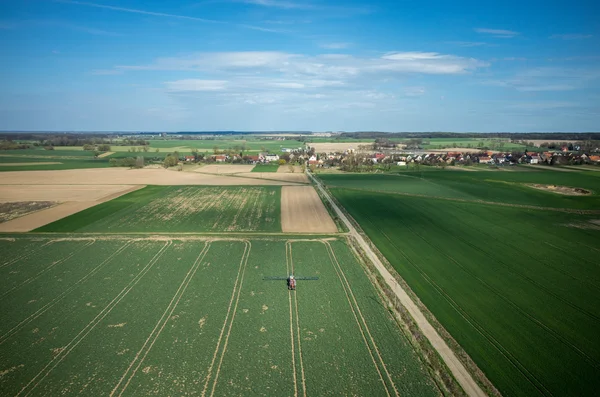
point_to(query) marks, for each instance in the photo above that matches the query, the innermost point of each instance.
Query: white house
(401, 162)
(271, 157)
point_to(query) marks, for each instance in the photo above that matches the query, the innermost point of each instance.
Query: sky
(292, 65)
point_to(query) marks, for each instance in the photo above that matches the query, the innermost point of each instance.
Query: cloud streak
(571, 36)
(501, 33)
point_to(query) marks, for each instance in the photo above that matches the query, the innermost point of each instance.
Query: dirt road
(458, 370)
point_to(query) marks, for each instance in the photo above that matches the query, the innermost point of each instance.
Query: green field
(494, 186)
(518, 288)
(265, 168)
(161, 316)
(189, 209)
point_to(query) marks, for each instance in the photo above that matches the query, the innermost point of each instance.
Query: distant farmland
(517, 288)
(161, 316)
(181, 209)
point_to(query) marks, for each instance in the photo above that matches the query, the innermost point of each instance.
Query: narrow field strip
(33, 383)
(355, 308)
(160, 325)
(57, 299)
(287, 264)
(236, 290)
(48, 268)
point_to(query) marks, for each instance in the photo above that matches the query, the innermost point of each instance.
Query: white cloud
(335, 46)
(547, 79)
(196, 85)
(428, 63)
(571, 36)
(502, 33)
(467, 43)
(414, 91)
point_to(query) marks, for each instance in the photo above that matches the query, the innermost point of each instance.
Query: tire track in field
(160, 325)
(48, 268)
(514, 362)
(287, 265)
(236, 289)
(526, 314)
(36, 380)
(54, 301)
(355, 308)
(27, 254)
(301, 359)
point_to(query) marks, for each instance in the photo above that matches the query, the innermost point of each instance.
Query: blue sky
(316, 65)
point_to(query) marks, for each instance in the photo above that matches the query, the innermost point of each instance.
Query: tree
(282, 162)
(104, 147)
(146, 149)
(216, 149)
(139, 162)
(157, 150)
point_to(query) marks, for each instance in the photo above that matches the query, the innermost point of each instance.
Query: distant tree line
(550, 136)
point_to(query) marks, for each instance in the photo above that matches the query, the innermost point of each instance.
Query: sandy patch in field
(568, 191)
(225, 169)
(287, 169)
(117, 176)
(339, 146)
(468, 169)
(32, 221)
(302, 211)
(105, 154)
(32, 163)
(275, 176)
(14, 210)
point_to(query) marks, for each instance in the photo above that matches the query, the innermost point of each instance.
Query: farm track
(525, 206)
(455, 366)
(235, 297)
(47, 269)
(57, 299)
(362, 323)
(158, 328)
(37, 379)
(293, 297)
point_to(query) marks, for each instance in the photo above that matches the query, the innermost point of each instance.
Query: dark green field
(265, 168)
(518, 288)
(162, 316)
(189, 209)
(495, 186)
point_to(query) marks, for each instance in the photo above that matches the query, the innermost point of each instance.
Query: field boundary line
(297, 325)
(47, 269)
(235, 288)
(162, 322)
(27, 254)
(54, 301)
(287, 263)
(360, 328)
(364, 321)
(91, 325)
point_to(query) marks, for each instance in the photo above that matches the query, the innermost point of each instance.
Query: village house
(189, 158)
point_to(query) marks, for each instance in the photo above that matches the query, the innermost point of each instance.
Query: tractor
(290, 280)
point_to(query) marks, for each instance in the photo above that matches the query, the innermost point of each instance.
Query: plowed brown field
(302, 211)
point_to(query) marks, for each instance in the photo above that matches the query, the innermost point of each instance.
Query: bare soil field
(37, 219)
(105, 154)
(62, 193)
(276, 176)
(337, 146)
(287, 169)
(14, 210)
(225, 169)
(39, 163)
(115, 176)
(302, 211)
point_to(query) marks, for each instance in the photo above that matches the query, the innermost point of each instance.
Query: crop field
(18, 160)
(504, 187)
(181, 209)
(162, 316)
(518, 288)
(265, 168)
